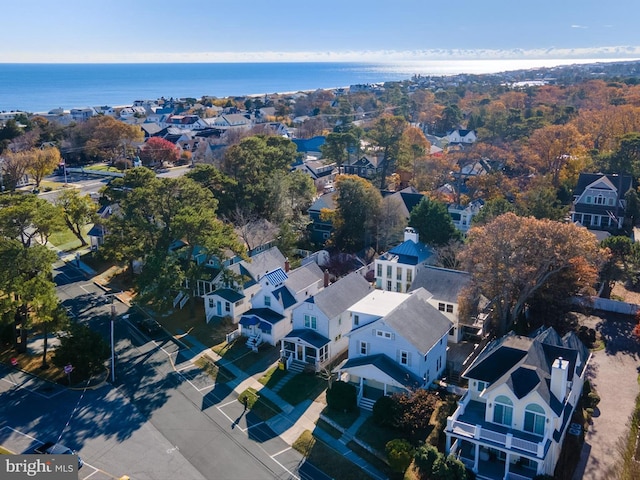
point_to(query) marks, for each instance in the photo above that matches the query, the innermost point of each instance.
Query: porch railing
(230, 337)
(507, 440)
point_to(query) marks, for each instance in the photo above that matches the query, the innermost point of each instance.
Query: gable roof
(260, 263)
(442, 283)
(524, 363)
(386, 365)
(339, 296)
(328, 200)
(621, 183)
(227, 294)
(303, 277)
(418, 322)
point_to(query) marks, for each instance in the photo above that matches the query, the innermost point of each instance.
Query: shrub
(384, 412)
(342, 396)
(425, 457)
(414, 411)
(399, 454)
(448, 468)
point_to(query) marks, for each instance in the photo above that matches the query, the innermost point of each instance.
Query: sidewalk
(293, 421)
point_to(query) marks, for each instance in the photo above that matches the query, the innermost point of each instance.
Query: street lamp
(113, 350)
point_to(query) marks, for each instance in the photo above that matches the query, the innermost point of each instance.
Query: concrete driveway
(613, 372)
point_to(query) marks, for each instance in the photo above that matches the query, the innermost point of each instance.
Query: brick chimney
(287, 266)
(559, 378)
(326, 278)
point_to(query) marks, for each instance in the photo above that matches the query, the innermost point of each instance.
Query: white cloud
(379, 56)
(579, 26)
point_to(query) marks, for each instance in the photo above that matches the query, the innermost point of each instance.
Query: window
(404, 357)
(503, 410)
(267, 301)
(610, 201)
(310, 322)
(388, 285)
(441, 307)
(388, 271)
(452, 331)
(356, 319)
(398, 287)
(211, 303)
(227, 307)
(399, 274)
(379, 270)
(449, 308)
(383, 334)
(409, 275)
(599, 200)
(364, 348)
(534, 419)
(588, 199)
(482, 386)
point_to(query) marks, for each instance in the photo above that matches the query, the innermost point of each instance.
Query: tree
(78, 211)
(433, 223)
(156, 215)
(158, 152)
(14, 169)
(83, 349)
(337, 146)
(556, 147)
(355, 219)
(108, 139)
(27, 218)
(220, 185)
(387, 133)
(342, 396)
(413, 411)
(492, 209)
(511, 258)
(399, 454)
(42, 161)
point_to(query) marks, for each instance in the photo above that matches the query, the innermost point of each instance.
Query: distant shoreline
(45, 87)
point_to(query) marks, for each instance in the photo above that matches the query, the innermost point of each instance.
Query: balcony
(468, 422)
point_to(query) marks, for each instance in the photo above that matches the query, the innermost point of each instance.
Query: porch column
(385, 389)
(476, 458)
(506, 466)
(361, 392)
(448, 445)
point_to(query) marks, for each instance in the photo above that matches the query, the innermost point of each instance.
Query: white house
(269, 318)
(461, 136)
(463, 215)
(321, 324)
(398, 342)
(446, 286)
(517, 411)
(396, 269)
(599, 200)
(229, 288)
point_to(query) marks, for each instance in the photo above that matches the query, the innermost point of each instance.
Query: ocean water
(42, 87)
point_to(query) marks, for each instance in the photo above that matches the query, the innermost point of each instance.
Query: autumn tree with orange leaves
(512, 258)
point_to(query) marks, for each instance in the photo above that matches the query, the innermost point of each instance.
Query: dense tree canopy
(512, 258)
(77, 210)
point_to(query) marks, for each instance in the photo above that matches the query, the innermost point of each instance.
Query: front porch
(376, 376)
(494, 464)
(305, 347)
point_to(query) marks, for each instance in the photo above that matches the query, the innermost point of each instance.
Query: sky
(102, 31)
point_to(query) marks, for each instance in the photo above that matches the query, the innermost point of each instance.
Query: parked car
(145, 324)
(52, 448)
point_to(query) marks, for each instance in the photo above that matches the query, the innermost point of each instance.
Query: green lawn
(244, 358)
(65, 240)
(259, 405)
(219, 374)
(302, 387)
(272, 376)
(328, 460)
(344, 419)
(376, 436)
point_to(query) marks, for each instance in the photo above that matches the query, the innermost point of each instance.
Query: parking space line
(228, 403)
(255, 425)
(292, 475)
(92, 473)
(281, 452)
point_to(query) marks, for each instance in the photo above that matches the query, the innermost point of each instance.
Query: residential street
(157, 423)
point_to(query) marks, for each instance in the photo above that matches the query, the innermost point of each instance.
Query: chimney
(559, 378)
(410, 234)
(286, 265)
(326, 278)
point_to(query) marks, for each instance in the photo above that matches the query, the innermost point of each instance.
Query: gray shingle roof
(442, 283)
(303, 277)
(387, 366)
(339, 296)
(309, 336)
(418, 322)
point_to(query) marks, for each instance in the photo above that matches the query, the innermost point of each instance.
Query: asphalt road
(161, 397)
